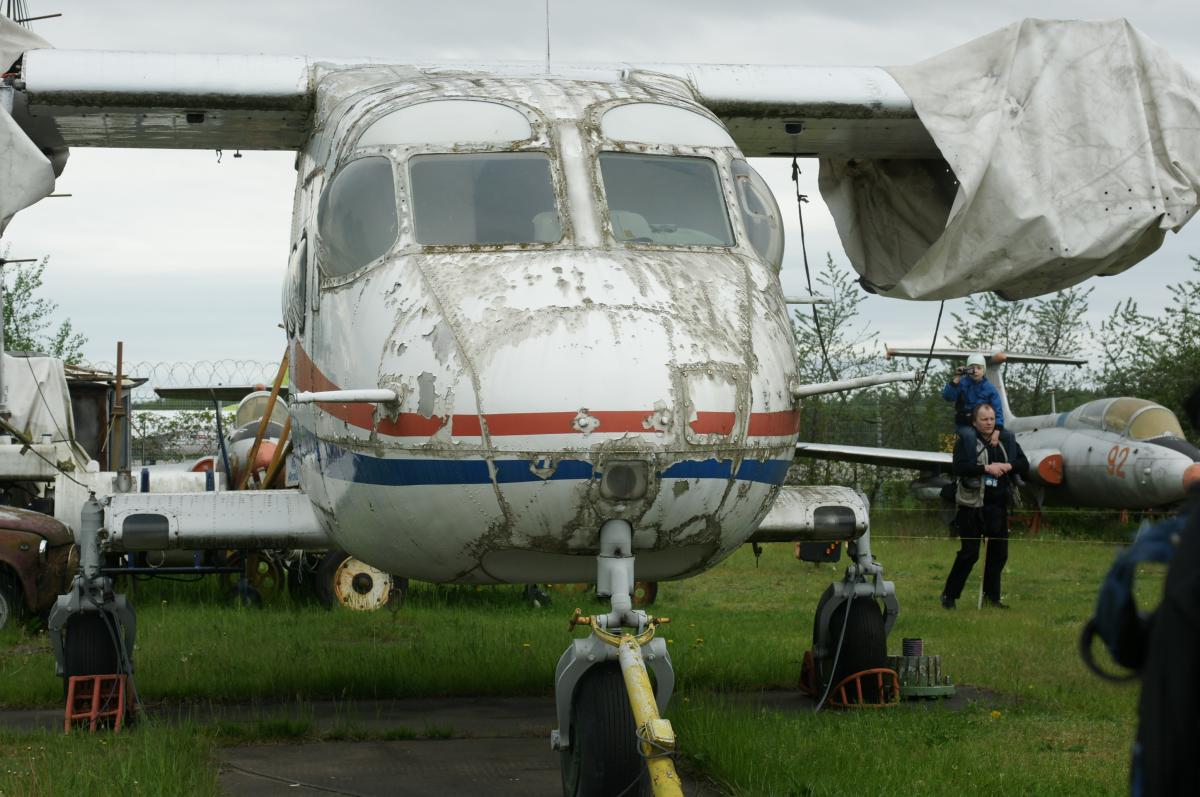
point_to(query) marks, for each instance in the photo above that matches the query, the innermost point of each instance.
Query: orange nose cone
(1191, 477)
(1050, 469)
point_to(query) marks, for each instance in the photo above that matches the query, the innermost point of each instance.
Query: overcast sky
(182, 257)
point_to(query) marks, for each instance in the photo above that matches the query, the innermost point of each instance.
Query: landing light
(624, 481)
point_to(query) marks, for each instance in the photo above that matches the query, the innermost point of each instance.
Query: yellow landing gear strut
(656, 737)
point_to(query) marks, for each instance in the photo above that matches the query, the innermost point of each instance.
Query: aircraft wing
(925, 461)
(215, 392)
(905, 150)
(92, 98)
(992, 356)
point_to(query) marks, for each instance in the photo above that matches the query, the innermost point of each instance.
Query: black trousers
(990, 521)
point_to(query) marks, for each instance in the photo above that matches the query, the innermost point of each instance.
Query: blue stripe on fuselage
(344, 465)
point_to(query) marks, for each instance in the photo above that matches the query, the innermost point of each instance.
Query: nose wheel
(610, 735)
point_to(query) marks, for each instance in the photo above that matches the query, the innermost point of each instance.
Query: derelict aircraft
(1112, 453)
(535, 318)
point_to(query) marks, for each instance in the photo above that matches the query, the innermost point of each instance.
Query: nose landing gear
(610, 732)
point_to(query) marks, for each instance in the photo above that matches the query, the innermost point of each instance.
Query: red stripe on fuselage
(308, 377)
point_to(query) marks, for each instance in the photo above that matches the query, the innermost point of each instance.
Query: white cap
(976, 359)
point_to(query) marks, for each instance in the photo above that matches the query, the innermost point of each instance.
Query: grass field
(1046, 726)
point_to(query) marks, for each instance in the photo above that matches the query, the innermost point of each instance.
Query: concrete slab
(465, 746)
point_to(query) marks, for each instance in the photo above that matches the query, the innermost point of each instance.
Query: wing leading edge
(924, 461)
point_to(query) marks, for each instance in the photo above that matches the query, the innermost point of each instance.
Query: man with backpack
(985, 464)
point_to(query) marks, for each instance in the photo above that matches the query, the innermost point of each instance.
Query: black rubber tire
(604, 760)
(12, 602)
(865, 646)
(326, 572)
(644, 594)
(89, 647)
(249, 598)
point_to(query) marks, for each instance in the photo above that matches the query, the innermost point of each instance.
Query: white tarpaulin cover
(36, 392)
(1076, 146)
(25, 173)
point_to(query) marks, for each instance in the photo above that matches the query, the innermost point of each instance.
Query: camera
(960, 370)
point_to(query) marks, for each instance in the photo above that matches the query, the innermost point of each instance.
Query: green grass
(1044, 725)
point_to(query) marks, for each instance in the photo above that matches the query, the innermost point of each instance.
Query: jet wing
(214, 392)
(925, 461)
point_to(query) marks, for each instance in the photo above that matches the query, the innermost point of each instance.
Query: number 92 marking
(1116, 461)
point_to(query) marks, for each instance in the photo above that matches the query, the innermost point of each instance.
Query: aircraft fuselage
(575, 320)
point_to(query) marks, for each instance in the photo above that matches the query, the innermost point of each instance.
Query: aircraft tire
(343, 580)
(604, 758)
(89, 647)
(865, 646)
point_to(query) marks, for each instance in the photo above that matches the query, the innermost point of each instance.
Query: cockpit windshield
(665, 199)
(1136, 418)
(483, 198)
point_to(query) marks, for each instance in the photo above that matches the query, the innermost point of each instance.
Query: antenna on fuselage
(547, 37)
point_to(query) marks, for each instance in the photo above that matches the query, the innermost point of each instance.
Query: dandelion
(995, 715)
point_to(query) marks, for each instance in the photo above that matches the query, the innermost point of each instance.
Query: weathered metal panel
(250, 519)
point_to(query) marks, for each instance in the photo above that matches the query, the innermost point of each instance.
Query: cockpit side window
(760, 214)
(491, 198)
(665, 199)
(356, 218)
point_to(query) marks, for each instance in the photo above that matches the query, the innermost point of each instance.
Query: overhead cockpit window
(448, 122)
(665, 199)
(652, 123)
(356, 219)
(760, 213)
(483, 198)
(1155, 421)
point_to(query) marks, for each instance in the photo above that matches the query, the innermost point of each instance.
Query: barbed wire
(190, 373)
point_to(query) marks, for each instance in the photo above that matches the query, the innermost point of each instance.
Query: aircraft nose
(1191, 477)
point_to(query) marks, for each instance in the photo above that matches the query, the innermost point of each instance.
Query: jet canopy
(1135, 418)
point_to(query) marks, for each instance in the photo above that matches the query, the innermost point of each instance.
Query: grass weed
(1042, 723)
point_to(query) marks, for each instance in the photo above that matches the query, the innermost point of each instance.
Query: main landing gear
(92, 629)
(848, 661)
(610, 735)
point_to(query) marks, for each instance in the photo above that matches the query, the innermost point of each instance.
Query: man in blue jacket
(968, 389)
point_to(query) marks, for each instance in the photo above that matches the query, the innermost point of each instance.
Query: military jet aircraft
(1116, 453)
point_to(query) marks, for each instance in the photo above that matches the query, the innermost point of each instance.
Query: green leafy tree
(1052, 325)
(27, 316)
(1154, 358)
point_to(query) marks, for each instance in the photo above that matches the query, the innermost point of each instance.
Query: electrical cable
(836, 655)
(800, 200)
(289, 781)
(932, 345)
(45, 403)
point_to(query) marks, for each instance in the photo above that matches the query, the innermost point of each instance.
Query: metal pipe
(364, 396)
(244, 477)
(656, 737)
(117, 449)
(283, 447)
(4, 413)
(852, 384)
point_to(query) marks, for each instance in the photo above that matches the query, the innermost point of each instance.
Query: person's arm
(966, 461)
(950, 391)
